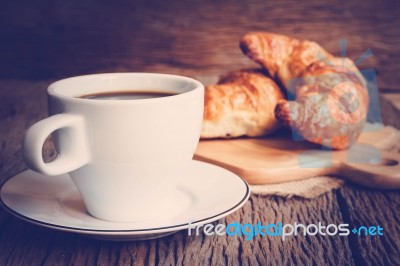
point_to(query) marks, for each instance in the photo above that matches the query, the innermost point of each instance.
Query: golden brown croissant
(331, 101)
(242, 103)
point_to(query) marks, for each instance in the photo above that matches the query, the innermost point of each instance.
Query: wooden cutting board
(278, 158)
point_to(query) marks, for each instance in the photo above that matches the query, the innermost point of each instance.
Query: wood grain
(22, 243)
(383, 210)
(24, 103)
(280, 158)
(59, 39)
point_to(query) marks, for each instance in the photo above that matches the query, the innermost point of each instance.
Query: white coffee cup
(125, 156)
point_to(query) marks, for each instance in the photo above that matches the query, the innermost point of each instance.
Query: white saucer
(205, 194)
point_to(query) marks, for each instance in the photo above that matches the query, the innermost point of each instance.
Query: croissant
(242, 103)
(328, 100)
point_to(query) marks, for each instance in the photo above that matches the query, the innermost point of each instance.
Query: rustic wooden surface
(24, 102)
(48, 39)
(45, 40)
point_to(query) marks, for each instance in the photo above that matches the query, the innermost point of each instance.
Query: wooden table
(46, 41)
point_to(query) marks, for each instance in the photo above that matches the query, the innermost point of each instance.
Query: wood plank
(389, 112)
(22, 243)
(24, 102)
(61, 39)
(362, 207)
(394, 98)
(279, 158)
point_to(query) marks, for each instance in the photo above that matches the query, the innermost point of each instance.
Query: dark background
(56, 39)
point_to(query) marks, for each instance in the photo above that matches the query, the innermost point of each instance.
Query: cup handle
(72, 140)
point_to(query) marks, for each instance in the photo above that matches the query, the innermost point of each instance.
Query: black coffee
(126, 95)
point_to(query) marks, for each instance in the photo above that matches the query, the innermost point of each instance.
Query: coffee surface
(126, 95)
